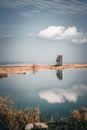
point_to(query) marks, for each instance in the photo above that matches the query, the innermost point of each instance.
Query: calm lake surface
(53, 91)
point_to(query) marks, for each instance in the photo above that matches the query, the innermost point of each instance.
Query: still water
(53, 91)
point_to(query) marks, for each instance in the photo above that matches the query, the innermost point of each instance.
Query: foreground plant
(16, 119)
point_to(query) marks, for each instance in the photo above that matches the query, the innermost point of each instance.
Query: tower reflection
(59, 74)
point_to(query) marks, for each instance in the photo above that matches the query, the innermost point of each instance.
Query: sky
(39, 30)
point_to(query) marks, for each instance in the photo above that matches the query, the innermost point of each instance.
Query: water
(53, 91)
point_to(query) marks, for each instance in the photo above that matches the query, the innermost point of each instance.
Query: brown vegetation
(80, 114)
(12, 119)
(16, 119)
(3, 75)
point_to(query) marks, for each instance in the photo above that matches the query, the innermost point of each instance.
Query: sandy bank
(24, 69)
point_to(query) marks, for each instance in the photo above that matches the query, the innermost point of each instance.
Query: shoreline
(23, 69)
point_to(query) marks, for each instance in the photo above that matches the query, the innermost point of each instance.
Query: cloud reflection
(60, 95)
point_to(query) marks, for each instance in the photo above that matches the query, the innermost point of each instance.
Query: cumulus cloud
(60, 95)
(62, 33)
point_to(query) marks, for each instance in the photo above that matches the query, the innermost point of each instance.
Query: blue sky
(38, 30)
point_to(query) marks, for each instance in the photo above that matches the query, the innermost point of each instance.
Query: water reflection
(44, 90)
(59, 74)
(61, 95)
(35, 68)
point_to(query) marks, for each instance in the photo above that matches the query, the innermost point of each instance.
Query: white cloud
(7, 26)
(30, 13)
(4, 36)
(61, 95)
(30, 34)
(53, 6)
(62, 33)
